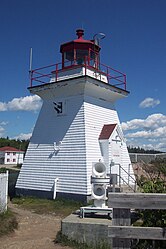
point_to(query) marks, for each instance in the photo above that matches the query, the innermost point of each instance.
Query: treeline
(18, 144)
(141, 150)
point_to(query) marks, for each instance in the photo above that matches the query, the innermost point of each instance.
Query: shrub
(152, 218)
(8, 223)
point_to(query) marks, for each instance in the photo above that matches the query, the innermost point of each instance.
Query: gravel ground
(34, 231)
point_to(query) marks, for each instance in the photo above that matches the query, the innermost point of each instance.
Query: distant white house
(10, 155)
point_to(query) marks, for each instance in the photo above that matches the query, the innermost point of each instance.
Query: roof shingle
(107, 131)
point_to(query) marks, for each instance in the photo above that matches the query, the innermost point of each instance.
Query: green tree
(141, 150)
(18, 144)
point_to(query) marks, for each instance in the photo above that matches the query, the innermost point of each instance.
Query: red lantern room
(80, 52)
(80, 57)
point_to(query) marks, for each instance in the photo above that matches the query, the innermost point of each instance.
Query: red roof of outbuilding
(10, 149)
(107, 131)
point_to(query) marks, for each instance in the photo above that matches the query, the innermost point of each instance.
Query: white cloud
(147, 144)
(152, 122)
(3, 123)
(157, 133)
(2, 130)
(139, 134)
(28, 103)
(23, 136)
(3, 107)
(147, 133)
(132, 124)
(149, 102)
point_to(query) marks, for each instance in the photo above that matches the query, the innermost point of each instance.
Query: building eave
(91, 85)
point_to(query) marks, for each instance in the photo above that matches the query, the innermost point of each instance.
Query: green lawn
(59, 207)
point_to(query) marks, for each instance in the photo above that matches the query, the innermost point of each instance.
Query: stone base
(92, 231)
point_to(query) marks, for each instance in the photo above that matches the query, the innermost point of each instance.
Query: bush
(152, 218)
(160, 165)
(8, 223)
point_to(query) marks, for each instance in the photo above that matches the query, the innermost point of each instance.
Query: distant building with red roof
(11, 155)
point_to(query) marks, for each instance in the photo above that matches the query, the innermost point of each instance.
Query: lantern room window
(69, 58)
(80, 52)
(81, 56)
(94, 59)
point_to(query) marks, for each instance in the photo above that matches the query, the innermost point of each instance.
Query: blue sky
(135, 43)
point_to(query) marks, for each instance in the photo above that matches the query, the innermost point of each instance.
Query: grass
(3, 170)
(8, 222)
(59, 207)
(63, 240)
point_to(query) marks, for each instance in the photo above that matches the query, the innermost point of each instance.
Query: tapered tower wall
(43, 163)
(97, 113)
(64, 145)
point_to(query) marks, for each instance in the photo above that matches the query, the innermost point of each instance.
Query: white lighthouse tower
(77, 125)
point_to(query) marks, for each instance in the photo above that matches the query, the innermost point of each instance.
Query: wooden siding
(97, 113)
(123, 160)
(42, 164)
(77, 130)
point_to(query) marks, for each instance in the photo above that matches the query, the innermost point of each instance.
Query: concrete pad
(90, 230)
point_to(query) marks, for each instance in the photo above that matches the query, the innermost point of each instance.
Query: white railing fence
(3, 191)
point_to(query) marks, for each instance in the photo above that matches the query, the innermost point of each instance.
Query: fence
(44, 75)
(3, 191)
(146, 158)
(121, 230)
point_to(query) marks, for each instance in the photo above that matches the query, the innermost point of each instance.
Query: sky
(134, 43)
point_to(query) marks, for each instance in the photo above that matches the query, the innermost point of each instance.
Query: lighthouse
(77, 125)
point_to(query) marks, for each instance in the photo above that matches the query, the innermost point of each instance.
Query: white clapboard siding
(42, 164)
(96, 115)
(89, 104)
(124, 161)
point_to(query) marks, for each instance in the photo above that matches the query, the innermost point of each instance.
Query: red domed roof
(80, 42)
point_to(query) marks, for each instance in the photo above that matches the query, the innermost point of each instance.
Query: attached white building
(115, 154)
(78, 99)
(10, 155)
